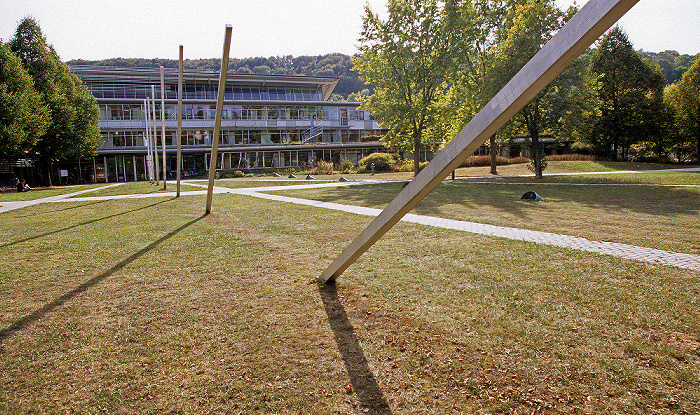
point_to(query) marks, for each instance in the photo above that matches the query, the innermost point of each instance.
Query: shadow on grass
(48, 308)
(361, 377)
(81, 224)
(73, 207)
(653, 200)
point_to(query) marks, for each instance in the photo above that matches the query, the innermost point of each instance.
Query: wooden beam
(178, 137)
(571, 41)
(155, 133)
(162, 125)
(217, 121)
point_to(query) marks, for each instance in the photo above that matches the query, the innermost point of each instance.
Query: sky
(98, 29)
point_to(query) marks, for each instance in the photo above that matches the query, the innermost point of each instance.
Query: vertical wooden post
(155, 133)
(162, 125)
(179, 122)
(217, 121)
(574, 38)
(147, 139)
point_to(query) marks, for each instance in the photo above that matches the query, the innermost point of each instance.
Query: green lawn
(148, 306)
(627, 208)
(131, 188)
(41, 193)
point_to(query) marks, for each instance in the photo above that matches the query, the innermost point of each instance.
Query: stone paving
(637, 253)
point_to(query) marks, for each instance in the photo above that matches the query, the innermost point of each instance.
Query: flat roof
(89, 73)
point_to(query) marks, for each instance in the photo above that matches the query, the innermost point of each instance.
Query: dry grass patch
(132, 188)
(663, 217)
(147, 306)
(42, 192)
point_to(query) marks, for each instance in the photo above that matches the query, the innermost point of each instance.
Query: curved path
(657, 256)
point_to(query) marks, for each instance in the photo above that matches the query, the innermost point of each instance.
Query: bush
(322, 167)
(571, 157)
(383, 162)
(228, 174)
(480, 161)
(407, 165)
(345, 166)
(543, 164)
(404, 165)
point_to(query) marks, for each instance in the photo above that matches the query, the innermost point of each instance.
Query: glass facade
(122, 112)
(204, 91)
(268, 122)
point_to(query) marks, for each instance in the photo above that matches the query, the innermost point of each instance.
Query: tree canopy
(410, 59)
(73, 130)
(529, 26)
(629, 94)
(684, 98)
(23, 116)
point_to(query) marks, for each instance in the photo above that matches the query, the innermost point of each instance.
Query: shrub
(383, 162)
(479, 161)
(407, 165)
(322, 167)
(571, 157)
(345, 166)
(404, 165)
(543, 163)
(518, 160)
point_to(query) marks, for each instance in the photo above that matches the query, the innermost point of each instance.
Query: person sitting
(22, 186)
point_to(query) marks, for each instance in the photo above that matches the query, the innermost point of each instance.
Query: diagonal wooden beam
(217, 119)
(571, 41)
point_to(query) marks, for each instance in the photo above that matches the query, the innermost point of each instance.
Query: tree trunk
(45, 171)
(492, 150)
(536, 156)
(416, 159)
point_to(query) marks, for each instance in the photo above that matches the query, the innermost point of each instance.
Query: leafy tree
(530, 24)
(410, 58)
(684, 98)
(629, 93)
(23, 117)
(470, 90)
(73, 130)
(673, 64)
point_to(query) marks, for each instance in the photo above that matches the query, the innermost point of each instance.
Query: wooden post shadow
(571, 41)
(362, 379)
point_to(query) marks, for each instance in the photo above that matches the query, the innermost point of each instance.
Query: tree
(684, 98)
(410, 59)
(23, 117)
(530, 24)
(629, 93)
(470, 90)
(73, 130)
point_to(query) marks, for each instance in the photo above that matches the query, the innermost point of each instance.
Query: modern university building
(268, 122)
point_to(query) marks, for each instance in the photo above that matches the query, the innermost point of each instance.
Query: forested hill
(334, 65)
(673, 65)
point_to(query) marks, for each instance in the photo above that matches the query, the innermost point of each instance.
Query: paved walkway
(657, 256)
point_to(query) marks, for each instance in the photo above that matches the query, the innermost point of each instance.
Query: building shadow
(81, 224)
(50, 307)
(362, 379)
